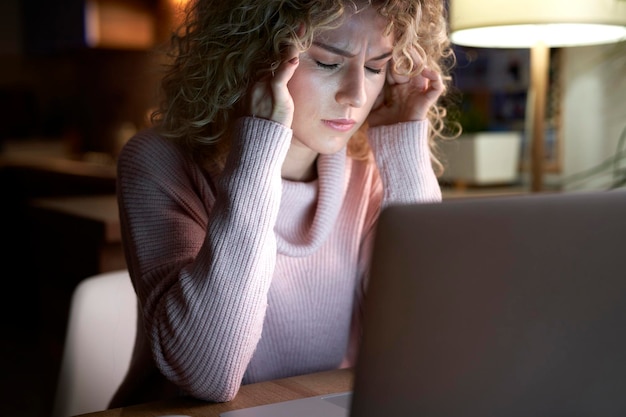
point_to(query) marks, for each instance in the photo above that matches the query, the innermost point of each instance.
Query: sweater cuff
(262, 143)
(402, 153)
(409, 139)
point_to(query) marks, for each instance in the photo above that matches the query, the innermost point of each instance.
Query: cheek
(297, 88)
(306, 89)
(376, 88)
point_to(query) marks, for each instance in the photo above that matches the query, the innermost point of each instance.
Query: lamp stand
(539, 74)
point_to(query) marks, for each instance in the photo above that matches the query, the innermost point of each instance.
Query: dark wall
(53, 85)
(53, 88)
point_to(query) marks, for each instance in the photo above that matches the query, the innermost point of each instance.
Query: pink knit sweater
(247, 277)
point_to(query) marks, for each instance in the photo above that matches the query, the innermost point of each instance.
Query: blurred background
(79, 77)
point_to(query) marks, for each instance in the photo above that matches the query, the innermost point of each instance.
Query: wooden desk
(249, 396)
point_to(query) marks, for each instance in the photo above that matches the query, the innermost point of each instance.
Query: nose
(351, 90)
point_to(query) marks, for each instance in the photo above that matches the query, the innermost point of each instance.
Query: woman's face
(338, 80)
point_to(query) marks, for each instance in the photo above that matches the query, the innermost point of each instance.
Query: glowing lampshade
(539, 25)
(522, 24)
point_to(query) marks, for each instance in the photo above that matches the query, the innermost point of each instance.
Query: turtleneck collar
(309, 210)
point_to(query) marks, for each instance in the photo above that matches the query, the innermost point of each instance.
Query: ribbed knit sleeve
(203, 275)
(403, 159)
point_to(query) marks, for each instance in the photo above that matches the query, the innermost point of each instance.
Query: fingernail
(293, 60)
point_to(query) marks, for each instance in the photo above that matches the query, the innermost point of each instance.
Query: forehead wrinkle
(334, 49)
(344, 53)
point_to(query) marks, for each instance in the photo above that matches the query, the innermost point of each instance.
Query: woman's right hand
(270, 98)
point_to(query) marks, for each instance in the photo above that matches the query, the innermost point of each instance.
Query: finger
(288, 66)
(435, 81)
(420, 83)
(430, 74)
(394, 78)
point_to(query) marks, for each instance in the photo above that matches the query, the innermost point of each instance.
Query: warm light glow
(110, 24)
(179, 4)
(525, 36)
(523, 24)
(176, 10)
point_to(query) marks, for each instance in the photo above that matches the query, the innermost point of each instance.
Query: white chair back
(98, 344)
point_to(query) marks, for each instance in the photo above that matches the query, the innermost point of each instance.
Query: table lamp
(538, 25)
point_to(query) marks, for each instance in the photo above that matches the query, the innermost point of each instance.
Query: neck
(299, 164)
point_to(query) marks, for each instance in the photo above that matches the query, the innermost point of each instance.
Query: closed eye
(335, 66)
(327, 66)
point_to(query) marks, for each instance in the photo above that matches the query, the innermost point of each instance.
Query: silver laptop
(507, 306)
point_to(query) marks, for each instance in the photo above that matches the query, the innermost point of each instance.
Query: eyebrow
(347, 54)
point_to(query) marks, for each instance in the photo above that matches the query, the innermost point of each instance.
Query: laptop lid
(507, 306)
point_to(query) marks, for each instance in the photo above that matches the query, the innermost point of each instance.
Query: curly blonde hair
(223, 47)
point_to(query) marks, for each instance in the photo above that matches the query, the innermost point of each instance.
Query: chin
(333, 147)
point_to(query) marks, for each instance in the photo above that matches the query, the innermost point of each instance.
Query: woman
(248, 209)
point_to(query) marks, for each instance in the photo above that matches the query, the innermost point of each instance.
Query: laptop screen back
(510, 306)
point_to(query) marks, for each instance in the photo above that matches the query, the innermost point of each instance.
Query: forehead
(364, 26)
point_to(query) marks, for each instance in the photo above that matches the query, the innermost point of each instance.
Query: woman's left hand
(405, 99)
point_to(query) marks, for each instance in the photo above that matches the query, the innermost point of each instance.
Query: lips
(341, 125)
